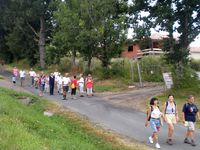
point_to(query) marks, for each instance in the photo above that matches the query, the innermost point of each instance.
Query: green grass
(110, 86)
(24, 127)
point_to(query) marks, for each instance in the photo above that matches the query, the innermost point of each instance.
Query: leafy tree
(94, 28)
(27, 24)
(111, 29)
(165, 15)
(67, 28)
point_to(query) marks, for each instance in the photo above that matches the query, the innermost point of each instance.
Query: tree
(27, 23)
(111, 29)
(165, 15)
(67, 28)
(94, 28)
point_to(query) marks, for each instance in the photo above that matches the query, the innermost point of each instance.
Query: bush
(187, 80)
(151, 69)
(195, 64)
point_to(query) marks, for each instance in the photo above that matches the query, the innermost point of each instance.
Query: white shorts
(170, 118)
(190, 125)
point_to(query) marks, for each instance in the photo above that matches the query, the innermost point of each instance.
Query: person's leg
(170, 130)
(64, 92)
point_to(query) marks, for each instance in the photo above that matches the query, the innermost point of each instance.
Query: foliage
(93, 28)
(195, 64)
(164, 15)
(188, 80)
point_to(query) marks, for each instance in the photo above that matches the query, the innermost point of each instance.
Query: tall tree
(182, 16)
(95, 28)
(67, 28)
(27, 23)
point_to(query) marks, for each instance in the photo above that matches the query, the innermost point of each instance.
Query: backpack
(150, 113)
(167, 105)
(72, 85)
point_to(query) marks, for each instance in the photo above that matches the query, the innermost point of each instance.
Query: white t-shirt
(81, 82)
(22, 74)
(66, 80)
(56, 75)
(60, 80)
(32, 73)
(156, 113)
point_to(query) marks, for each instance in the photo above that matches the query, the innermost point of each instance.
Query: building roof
(195, 49)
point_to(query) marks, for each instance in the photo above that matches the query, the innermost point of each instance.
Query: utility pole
(139, 72)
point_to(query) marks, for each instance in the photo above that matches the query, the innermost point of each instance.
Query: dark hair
(170, 95)
(74, 77)
(153, 100)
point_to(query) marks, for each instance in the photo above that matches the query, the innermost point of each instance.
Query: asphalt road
(125, 121)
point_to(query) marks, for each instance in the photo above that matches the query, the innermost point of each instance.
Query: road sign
(167, 76)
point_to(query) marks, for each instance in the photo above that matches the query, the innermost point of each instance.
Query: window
(130, 48)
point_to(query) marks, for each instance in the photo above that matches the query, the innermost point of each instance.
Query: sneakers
(157, 145)
(169, 141)
(151, 140)
(193, 143)
(186, 141)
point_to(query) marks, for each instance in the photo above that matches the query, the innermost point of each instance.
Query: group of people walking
(62, 84)
(170, 116)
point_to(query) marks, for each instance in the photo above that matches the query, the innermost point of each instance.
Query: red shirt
(89, 83)
(74, 81)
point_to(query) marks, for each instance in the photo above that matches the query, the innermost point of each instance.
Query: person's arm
(164, 112)
(147, 117)
(198, 116)
(177, 118)
(183, 113)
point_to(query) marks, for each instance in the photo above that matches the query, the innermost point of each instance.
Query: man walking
(51, 83)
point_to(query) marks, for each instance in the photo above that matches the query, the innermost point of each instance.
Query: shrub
(195, 64)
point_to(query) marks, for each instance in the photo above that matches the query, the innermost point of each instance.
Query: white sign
(198, 75)
(167, 76)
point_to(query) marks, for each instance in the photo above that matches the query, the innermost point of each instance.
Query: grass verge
(25, 127)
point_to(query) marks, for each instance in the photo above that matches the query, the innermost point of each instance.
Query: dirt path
(135, 99)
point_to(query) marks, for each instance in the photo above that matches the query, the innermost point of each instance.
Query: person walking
(15, 73)
(81, 85)
(190, 111)
(171, 117)
(32, 75)
(22, 75)
(153, 117)
(65, 84)
(89, 85)
(51, 83)
(73, 87)
(41, 83)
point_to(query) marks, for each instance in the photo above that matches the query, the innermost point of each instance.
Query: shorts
(190, 125)
(155, 124)
(42, 86)
(170, 118)
(65, 88)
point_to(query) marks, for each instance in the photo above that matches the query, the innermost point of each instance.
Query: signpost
(167, 76)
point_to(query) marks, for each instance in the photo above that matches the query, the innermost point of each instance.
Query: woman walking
(153, 117)
(171, 117)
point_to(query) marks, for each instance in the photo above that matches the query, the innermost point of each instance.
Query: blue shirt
(190, 111)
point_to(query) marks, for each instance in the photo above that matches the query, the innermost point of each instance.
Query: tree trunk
(42, 42)
(73, 57)
(89, 62)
